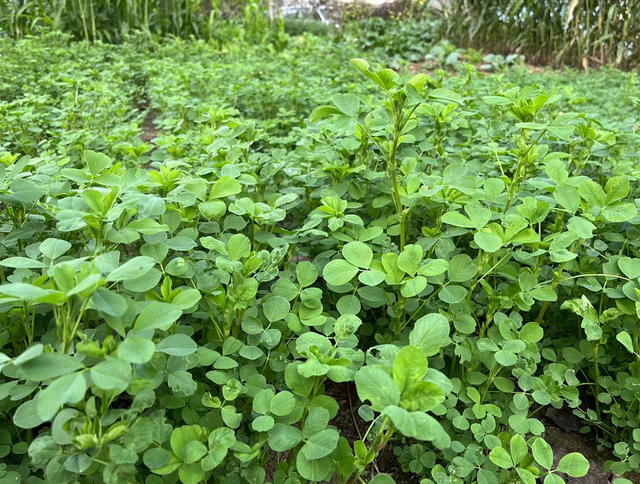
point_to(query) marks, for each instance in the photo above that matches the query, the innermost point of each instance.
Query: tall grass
(557, 32)
(110, 20)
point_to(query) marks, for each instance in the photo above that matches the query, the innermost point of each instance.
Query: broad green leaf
(276, 308)
(358, 253)
(629, 267)
(66, 389)
(22, 263)
(409, 259)
(625, 340)
(377, 386)
(542, 453)
(283, 437)
(132, 269)
(347, 103)
(157, 315)
(409, 366)
(111, 374)
(339, 272)
(457, 220)
(177, 345)
(26, 415)
(46, 365)
(193, 451)
(518, 448)
(500, 457)
(224, 187)
(413, 287)
(487, 241)
(136, 350)
(371, 277)
(306, 273)
(54, 248)
(321, 444)
(574, 465)
(461, 268)
(430, 333)
(282, 404)
(239, 247)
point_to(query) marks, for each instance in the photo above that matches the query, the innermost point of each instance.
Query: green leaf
(26, 415)
(347, 103)
(430, 333)
(418, 425)
(371, 277)
(518, 447)
(422, 395)
(339, 272)
(321, 112)
(542, 453)
(409, 366)
(501, 458)
(375, 384)
(382, 479)
(457, 220)
(625, 340)
(177, 345)
(66, 389)
(445, 95)
(111, 374)
(489, 242)
(132, 269)
(553, 479)
(157, 315)
(358, 253)
(479, 215)
(433, 267)
(191, 473)
(306, 273)
(592, 193)
(263, 423)
(461, 268)
(239, 247)
(54, 248)
(629, 267)
(617, 187)
(574, 465)
(136, 350)
(581, 227)
(276, 308)
(283, 437)
(22, 263)
(181, 436)
(193, 451)
(544, 293)
(96, 162)
(224, 187)
(568, 197)
(282, 404)
(321, 444)
(620, 212)
(409, 259)
(413, 287)
(43, 366)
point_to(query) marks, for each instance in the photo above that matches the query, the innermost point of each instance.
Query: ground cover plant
(203, 249)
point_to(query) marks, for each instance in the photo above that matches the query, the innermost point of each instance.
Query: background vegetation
(233, 250)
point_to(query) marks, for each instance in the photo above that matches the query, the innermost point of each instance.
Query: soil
(149, 129)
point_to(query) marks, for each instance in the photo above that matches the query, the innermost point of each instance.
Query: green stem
(596, 371)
